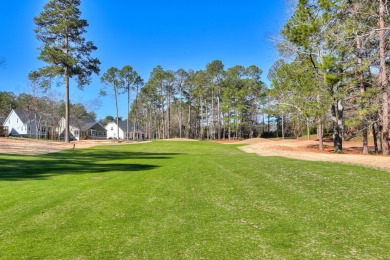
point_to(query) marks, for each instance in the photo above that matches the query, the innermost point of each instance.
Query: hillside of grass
(164, 200)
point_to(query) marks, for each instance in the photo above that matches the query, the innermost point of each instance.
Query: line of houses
(28, 124)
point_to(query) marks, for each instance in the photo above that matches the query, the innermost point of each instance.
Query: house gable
(112, 130)
(15, 124)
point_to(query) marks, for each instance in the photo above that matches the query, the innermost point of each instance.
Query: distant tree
(91, 115)
(181, 79)
(215, 71)
(130, 80)
(201, 83)
(255, 92)
(139, 82)
(60, 28)
(7, 102)
(107, 119)
(156, 88)
(112, 80)
(169, 81)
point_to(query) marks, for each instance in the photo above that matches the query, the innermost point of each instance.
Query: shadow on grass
(19, 167)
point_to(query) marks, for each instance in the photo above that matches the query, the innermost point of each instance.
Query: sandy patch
(30, 146)
(308, 150)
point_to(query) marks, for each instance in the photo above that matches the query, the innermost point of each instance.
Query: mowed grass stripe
(189, 200)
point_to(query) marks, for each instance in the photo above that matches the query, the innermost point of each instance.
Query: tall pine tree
(68, 55)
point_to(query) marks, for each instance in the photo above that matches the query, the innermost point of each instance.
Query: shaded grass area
(189, 200)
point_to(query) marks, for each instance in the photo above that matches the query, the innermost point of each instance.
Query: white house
(83, 129)
(112, 127)
(22, 123)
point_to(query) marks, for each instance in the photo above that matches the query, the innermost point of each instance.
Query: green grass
(164, 200)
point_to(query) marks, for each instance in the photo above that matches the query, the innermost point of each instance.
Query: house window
(104, 133)
(112, 128)
(76, 132)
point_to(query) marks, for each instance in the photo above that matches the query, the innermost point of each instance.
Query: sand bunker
(308, 150)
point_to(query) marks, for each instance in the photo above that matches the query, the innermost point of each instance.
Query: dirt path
(31, 146)
(308, 150)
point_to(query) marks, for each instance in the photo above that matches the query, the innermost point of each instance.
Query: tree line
(334, 74)
(213, 103)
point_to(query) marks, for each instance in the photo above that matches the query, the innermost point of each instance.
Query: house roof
(81, 122)
(88, 126)
(123, 126)
(85, 124)
(24, 116)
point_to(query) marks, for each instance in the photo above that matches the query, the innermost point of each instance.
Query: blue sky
(144, 34)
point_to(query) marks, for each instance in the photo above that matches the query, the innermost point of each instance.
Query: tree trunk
(36, 126)
(135, 123)
(362, 91)
(383, 80)
(212, 115)
(268, 125)
(128, 112)
(117, 114)
(168, 130)
(219, 118)
(338, 126)
(379, 137)
(189, 119)
(320, 132)
(224, 130)
(180, 110)
(308, 129)
(268, 118)
(263, 118)
(282, 125)
(229, 124)
(320, 135)
(201, 119)
(375, 137)
(67, 105)
(162, 114)
(207, 123)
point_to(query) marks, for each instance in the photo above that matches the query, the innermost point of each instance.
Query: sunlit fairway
(189, 200)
